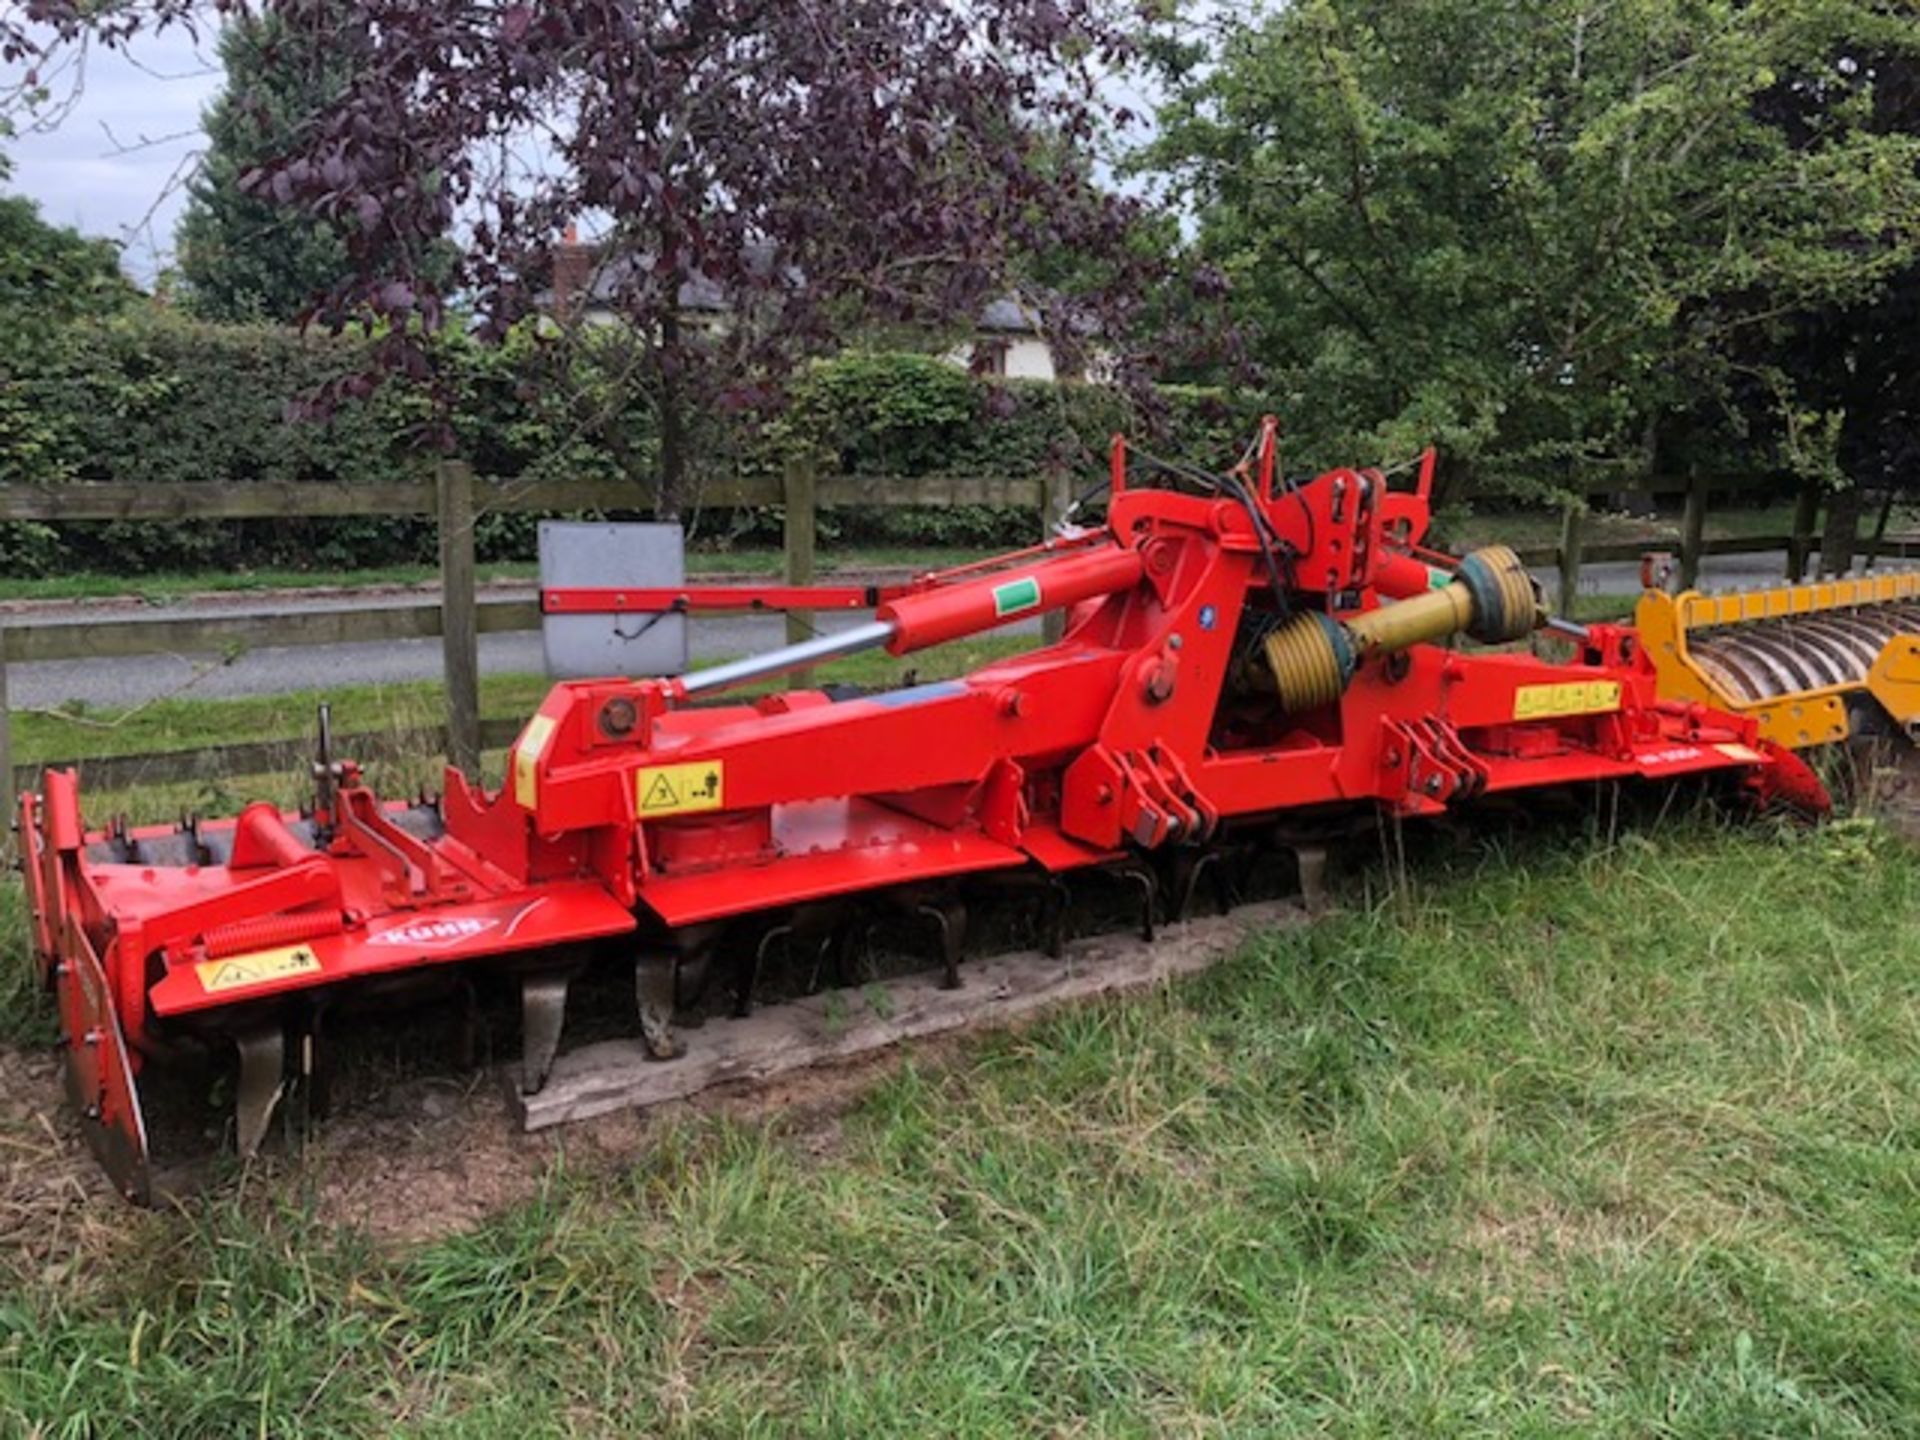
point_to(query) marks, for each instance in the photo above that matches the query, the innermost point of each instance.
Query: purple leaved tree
(820, 164)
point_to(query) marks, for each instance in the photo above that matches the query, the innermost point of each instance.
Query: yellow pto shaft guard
(1313, 656)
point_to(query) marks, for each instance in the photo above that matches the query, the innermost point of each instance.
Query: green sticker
(1015, 596)
(1438, 579)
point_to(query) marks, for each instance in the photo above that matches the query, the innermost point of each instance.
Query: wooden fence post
(459, 619)
(800, 531)
(1806, 514)
(9, 800)
(1880, 526)
(1570, 558)
(1056, 496)
(1693, 524)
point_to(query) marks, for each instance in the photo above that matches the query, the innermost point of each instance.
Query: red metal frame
(629, 811)
(744, 598)
(712, 599)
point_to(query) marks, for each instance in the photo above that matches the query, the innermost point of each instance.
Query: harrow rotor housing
(698, 837)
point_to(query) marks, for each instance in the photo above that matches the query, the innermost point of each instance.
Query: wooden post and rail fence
(453, 494)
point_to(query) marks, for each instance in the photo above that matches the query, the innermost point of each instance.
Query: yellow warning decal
(662, 790)
(1745, 754)
(1579, 697)
(526, 761)
(256, 968)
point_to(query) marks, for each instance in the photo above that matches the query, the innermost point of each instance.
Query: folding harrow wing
(1241, 658)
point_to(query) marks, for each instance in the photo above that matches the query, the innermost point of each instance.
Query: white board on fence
(599, 555)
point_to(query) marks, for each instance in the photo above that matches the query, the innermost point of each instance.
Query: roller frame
(1792, 657)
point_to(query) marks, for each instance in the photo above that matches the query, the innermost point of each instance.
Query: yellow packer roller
(1815, 664)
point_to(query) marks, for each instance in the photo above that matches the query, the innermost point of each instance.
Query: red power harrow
(1239, 657)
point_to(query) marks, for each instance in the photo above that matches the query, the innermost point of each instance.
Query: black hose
(1270, 542)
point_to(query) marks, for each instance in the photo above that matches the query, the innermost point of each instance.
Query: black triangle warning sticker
(256, 968)
(662, 790)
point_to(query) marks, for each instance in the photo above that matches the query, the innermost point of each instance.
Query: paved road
(120, 682)
(129, 681)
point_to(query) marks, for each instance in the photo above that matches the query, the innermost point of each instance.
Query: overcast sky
(111, 165)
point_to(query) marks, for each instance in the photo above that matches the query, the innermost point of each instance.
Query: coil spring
(268, 931)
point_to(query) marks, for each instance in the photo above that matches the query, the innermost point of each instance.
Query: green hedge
(149, 396)
(898, 414)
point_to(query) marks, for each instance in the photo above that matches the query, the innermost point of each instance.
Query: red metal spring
(268, 931)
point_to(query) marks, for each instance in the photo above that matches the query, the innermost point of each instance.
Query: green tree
(49, 275)
(241, 256)
(1540, 232)
(1852, 367)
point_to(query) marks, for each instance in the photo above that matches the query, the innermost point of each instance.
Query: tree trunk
(673, 424)
(1842, 534)
(1641, 501)
(1880, 526)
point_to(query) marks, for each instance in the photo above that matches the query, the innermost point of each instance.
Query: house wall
(1022, 357)
(1029, 358)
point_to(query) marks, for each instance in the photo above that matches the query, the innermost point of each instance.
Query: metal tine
(263, 1080)
(1141, 876)
(950, 919)
(655, 984)
(747, 974)
(543, 1015)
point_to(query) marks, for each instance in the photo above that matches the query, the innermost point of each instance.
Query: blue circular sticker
(1207, 616)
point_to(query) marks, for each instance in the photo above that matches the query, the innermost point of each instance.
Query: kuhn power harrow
(1242, 660)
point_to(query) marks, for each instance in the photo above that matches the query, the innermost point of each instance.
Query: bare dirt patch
(431, 1158)
(1883, 778)
(423, 1160)
(426, 1159)
(59, 1218)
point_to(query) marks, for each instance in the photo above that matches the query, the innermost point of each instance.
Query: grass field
(1571, 1138)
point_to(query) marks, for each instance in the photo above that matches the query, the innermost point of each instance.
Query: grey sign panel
(600, 555)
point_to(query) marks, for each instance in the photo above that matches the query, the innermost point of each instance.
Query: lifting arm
(934, 616)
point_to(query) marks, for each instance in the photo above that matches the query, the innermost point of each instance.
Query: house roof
(605, 278)
(1007, 316)
(700, 294)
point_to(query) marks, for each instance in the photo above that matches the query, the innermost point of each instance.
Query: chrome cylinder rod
(789, 657)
